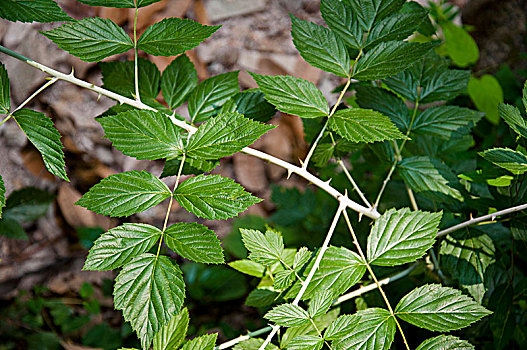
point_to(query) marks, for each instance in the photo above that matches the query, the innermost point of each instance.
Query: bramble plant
(401, 113)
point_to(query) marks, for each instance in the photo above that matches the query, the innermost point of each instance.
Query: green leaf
(301, 257)
(375, 330)
(486, 93)
(320, 303)
(120, 245)
(466, 258)
(125, 194)
(283, 279)
(341, 19)
(389, 58)
(512, 116)
(224, 135)
(306, 342)
(252, 104)
(265, 249)
(430, 176)
(172, 335)
(288, 315)
(248, 267)
(320, 47)
(173, 36)
(194, 242)
(261, 297)
(40, 131)
(2, 195)
(506, 158)
(396, 27)
(119, 78)
(27, 204)
(459, 45)
(293, 95)
(211, 94)
(5, 91)
(44, 11)
(150, 291)
(385, 102)
(445, 342)
(372, 11)
(321, 323)
(503, 322)
(205, 342)
(178, 81)
(446, 122)
(364, 125)
(341, 327)
(12, 229)
(402, 236)
(213, 197)
(253, 344)
(438, 308)
(191, 166)
(91, 39)
(119, 3)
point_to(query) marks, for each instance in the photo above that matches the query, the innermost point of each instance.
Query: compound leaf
(224, 135)
(446, 122)
(320, 322)
(213, 197)
(43, 11)
(40, 131)
(371, 11)
(438, 308)
(389, 58)
(506, 158)
(173, 36)
(396, 27)
(178, 81)
(364, 125)
(306, 342)
(150, 291)
(125, 194)
(320, 303)
(5, 91)
(172, 335)
(445, 342)
(385, 102)
(341, 19)
(119, 3)
(91, 39)
(402, 236)
(143, 134)
(194, 242)
(120, 245)
(288, 315)
(341, 327)
(265, 249)
(211, 94)
(513, 117)
(320, 47)
(191, 167)
(293, 95)
(205, 342)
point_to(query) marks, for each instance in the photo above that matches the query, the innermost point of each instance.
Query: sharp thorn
(289, 173)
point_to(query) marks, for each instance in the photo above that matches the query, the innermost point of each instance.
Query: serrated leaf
(402, 236)
(385, 102)
(120, 245)
(252, 104)
(191, 166)
(512, 116)
(12, 229)
(283, 279)
(261, 297)
(213, 197)
(40, 131)
(253, 344)
(320, 47)
(445, 342)
(306, 342)
(301, 257)
(459, 45)
(293, 95)
(125, 194)
(320, 303)
(438, 308)
(371, 11)
(343, 22)
(364, 125)
(398, 26)
(172, 335)
(506, 158)
(389, 58)
(205, 342)
(119, 3)
(194, 242)
(248, 267)
(446, 122)
(341, 327)
(27, 204)
(91, 39)
(43, 11)
(224, 135)
(265, 249)
(5, 91)
(2, 195)
(143, 134)
(486, 93)
(375, 331)
(321, 323)
(430, 176)
(178, 81)
(150, 291)
(288, 315)
(173, 36)
(208, 97)
(466, 258)
(119, 78)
